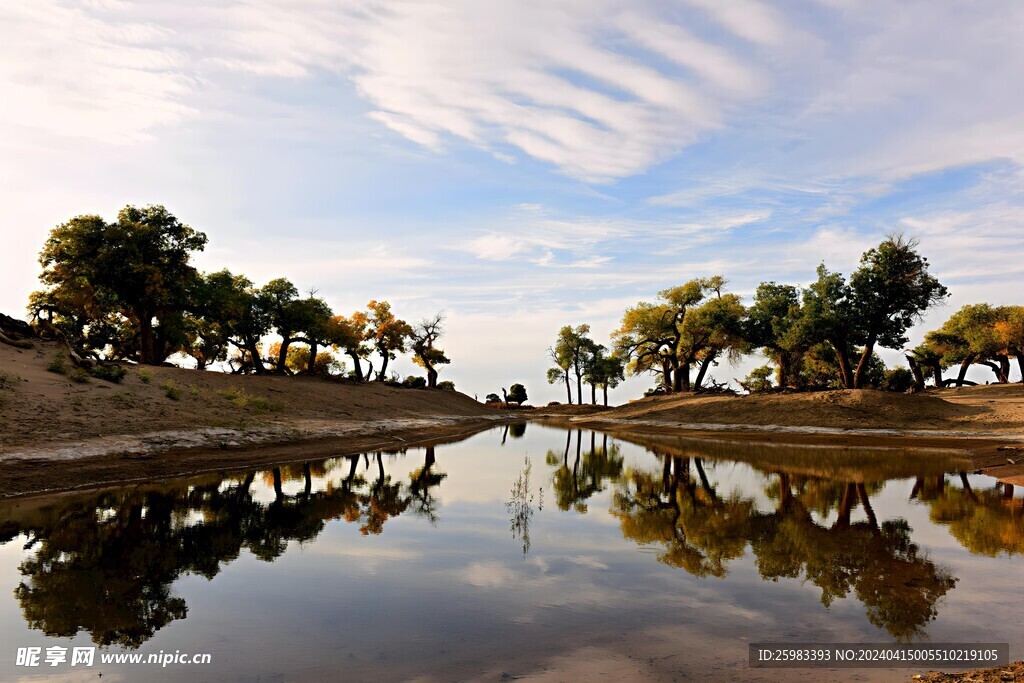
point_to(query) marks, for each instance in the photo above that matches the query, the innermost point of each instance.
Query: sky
(524, 164)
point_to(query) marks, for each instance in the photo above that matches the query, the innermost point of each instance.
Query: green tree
(771, 324)
(517, 394)
(604, 371)
(139, 265)
(427, 355)
(559, 355)
(647, 339)
(890, 291)
(575, 346)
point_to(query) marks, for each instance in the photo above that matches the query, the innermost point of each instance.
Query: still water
(523, 552)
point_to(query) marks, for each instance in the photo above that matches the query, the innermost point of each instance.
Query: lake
(520, 552)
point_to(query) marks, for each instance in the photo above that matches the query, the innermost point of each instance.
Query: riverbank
(984, 423)
(61, 430)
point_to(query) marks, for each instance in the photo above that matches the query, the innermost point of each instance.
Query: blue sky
(523, 164)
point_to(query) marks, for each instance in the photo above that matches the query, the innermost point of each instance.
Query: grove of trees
(824, 335)
(127, 290)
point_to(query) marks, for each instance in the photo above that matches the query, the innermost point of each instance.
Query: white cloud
(558, 81)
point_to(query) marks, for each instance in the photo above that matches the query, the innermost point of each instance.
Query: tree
(969, 336)
(574, 346)
(771, 325)
(246, 317)
(387, 333)
(563, 361)
(828, 316)
(425, 336)
(647, 339)
(139, 267)
(603, 371)
(295, 319)
(351, 334)
(890, 291)
(213, 298)
(492, 398)
(1010, 333)
(670, 336)
(517, 394)
(713, 328)
(313, 318)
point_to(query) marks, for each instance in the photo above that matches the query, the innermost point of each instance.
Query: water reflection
(105, 563)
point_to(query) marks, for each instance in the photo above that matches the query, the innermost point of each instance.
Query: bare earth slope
(52, 426)
(990, 409)
(46, 407)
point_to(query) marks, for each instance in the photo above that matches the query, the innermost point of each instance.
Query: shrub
(58, 365)
(413, 382)
(240, 399)
(759, 380)
(145, 376)
(78, 376)
(171, 390)
(897, 379)
(110, 373)
(492, 398)
(447, 385)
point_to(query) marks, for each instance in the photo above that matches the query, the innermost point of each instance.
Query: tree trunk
(432, 377)
(918, 374)
(708, 360)
(147, 341)
(669, 375)
(677, 376)
(579, 385)
(311, 367)
(862, 493)
(381, 374)
(358, 366)
(604, 390)
(784, 370)
(846, 507)
(963, 370)
(278, 490)
(1004, 369)
(1020, 366)
(684, 370)
(593, 394)
(937, 371)
(282, 356)
(845, 374)
(568, 388)
(254, 355)
(862, 365)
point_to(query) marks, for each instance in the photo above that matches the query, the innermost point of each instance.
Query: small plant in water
(171, 390)
(520, 506)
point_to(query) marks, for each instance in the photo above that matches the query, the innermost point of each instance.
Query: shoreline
(986, 452)
(29, 476)
(128, 459)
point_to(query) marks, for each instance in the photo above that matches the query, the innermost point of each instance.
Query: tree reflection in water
(701, 531)
(105, 563)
